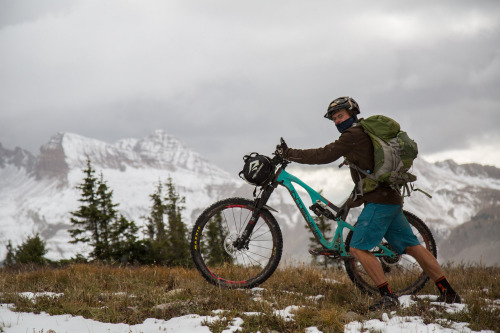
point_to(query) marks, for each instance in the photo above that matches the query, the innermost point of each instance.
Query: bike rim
(238, 267)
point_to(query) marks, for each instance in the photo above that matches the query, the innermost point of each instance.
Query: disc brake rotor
(229, 247)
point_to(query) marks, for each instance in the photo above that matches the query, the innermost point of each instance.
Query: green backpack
(394, 153)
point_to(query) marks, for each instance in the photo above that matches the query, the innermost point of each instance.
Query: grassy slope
(133, 294)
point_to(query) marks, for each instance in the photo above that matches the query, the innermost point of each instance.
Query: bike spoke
(227, 223)
(262, 247)
(251, 258)
(238, 227)
(259, 236)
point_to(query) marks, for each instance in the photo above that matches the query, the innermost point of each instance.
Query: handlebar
(279, 160)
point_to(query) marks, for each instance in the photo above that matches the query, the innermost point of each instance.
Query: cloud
(15, 12)
(229, 77)
(482, 150)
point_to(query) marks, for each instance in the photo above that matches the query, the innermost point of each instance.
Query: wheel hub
(229, 245)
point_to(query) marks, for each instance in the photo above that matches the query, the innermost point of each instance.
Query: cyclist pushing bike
(382, 215)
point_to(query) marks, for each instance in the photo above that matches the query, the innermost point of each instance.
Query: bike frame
(337, 243)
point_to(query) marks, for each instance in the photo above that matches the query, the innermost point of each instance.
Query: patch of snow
(252, 314)
(315, 298)
(13, 322)
(235, 325)
(34, 296)
(407, 301)
(332, 281)
(257, 290)
(398, 324)
(451, 308)
(286, 313)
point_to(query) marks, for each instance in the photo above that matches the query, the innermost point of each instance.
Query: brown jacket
(355, 145)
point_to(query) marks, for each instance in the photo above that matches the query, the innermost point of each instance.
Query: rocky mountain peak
(159, 141)
(18, 157)
(52, 160)
(470, 169)
(159, 150)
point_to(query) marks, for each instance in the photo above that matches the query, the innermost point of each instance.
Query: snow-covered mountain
(37, 193)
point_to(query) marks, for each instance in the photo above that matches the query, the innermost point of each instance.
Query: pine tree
(85, 220)
(108, 216)
(325, 226)
(155, 221)
(214, 243)
(156, 229)
(167, 234)
(97, 222)
(177, 242)
(10, 257)
(123, 241)
(31, 251)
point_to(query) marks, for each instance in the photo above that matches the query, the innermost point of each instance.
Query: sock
(384, 289)
(444, 286)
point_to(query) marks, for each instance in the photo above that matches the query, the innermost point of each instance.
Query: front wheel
(403, 273)
(214, 255)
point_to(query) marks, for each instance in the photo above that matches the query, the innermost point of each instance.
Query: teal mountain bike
(237, 242)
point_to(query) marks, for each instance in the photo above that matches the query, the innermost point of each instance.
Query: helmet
(342, 103)
(258, 169)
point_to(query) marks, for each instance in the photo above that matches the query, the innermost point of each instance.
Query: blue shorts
(378, 221)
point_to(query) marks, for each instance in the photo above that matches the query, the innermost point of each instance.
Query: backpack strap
(358, 189)
(405, 190)
(419, 190)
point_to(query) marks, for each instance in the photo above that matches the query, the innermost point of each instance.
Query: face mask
(346, 124)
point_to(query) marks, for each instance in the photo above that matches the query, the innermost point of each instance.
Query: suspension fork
(260, 202)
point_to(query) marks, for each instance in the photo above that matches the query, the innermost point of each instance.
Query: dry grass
(133, 294)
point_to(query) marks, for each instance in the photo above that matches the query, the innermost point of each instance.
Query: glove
(281, 149)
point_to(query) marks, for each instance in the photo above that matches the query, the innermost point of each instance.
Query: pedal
(325, 252)
(320, 210)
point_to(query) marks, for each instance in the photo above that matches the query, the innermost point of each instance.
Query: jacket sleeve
(325, 155)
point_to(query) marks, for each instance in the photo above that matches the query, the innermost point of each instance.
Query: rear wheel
(214, 255)
(404, 274)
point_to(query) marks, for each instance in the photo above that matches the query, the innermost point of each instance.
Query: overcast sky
(228, 77)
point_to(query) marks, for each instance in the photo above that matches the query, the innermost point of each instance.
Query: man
(382, 215)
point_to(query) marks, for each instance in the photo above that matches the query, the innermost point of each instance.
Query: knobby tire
(218, 261)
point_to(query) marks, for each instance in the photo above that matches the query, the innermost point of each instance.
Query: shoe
(388, 301)
(450, 298)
